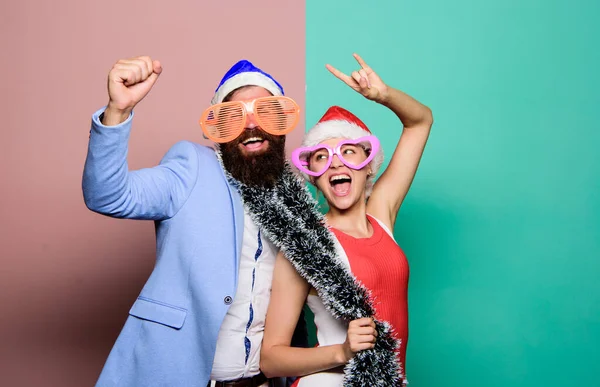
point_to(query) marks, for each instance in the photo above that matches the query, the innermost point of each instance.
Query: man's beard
(255, 170)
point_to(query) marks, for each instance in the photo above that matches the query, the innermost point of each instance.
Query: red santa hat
(338, 122)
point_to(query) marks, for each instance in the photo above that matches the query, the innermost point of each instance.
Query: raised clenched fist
(129, 81)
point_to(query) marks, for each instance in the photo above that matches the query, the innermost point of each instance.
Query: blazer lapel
(238, 221)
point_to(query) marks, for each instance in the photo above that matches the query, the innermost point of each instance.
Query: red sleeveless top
(381, 266)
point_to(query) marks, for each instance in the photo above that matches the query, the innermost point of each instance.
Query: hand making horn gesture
(365, 81)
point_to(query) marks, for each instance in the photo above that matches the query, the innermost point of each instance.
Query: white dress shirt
(238, 345)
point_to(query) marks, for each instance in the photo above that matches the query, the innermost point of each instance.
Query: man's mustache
(254, 132)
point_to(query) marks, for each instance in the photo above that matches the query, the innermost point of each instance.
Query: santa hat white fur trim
(343, 129)
(250, 78)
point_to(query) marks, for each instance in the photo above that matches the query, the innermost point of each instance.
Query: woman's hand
(361, 335)
(365, 81)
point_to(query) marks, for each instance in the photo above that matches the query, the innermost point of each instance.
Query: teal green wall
(502, 224)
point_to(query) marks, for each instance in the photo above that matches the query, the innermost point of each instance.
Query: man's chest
(256, 264)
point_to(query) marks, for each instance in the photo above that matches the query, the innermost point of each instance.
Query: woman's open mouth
(340, 184)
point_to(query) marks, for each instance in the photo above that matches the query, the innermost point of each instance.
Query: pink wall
(69, 276)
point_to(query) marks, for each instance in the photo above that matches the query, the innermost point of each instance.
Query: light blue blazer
(170, 335)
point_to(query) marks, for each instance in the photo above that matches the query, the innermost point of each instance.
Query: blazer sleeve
(156, 193)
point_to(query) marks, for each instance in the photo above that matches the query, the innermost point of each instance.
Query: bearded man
(199, 318)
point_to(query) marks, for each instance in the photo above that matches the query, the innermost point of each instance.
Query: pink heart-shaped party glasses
(315, 160)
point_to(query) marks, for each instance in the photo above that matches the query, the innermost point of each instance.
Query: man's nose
(250, 121)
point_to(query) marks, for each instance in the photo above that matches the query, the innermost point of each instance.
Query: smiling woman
(341, 157)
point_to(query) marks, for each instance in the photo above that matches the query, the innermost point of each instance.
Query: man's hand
(129, 81)
(365, 81)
